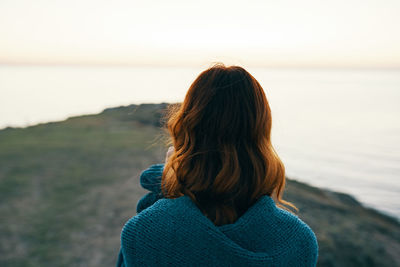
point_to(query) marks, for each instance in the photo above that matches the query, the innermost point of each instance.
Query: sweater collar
(264, 204)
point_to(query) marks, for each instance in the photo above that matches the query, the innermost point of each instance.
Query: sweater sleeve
(150, 179)
(120, 261)
(312, 247)
(308, 243)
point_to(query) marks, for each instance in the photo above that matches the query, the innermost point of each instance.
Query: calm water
(337, 129)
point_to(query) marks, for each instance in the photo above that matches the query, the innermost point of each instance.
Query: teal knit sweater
(174, 232)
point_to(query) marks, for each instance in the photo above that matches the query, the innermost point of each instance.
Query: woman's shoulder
(296, 230)
(159, 213)
(292, 220)
(284, 230)
(151, 220)
(155, 225)
(266, 216)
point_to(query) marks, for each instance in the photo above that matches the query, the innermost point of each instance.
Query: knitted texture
(174, 232)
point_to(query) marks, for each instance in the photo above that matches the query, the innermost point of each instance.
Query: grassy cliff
(67, 188)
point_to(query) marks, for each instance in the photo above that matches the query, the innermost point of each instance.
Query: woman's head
(223, 158)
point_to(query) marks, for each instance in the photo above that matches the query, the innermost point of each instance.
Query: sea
(333, 128)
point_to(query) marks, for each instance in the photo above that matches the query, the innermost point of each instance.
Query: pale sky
(314, 33)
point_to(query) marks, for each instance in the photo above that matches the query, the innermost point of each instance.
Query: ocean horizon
(333, 128)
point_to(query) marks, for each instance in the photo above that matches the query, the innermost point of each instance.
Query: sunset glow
(260, 33)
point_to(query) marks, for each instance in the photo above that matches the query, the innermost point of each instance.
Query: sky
(309, 33)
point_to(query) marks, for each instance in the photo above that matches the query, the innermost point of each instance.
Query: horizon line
(197, 65)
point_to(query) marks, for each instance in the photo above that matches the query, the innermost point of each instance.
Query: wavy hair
(223, 159)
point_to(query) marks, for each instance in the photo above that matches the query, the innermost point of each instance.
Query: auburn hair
(223, 158)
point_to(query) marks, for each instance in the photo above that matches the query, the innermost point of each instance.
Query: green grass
(46, 171)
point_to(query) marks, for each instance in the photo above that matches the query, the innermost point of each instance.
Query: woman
(217, 201)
